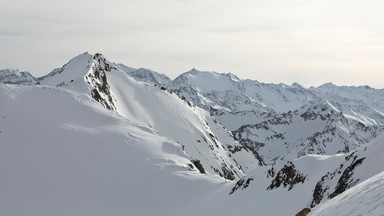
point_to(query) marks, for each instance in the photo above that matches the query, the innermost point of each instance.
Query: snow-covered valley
(99, 138)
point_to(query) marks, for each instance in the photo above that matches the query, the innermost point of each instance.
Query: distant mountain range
(96, 137)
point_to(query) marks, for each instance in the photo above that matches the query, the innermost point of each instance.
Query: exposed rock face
(241, 147)
(343, 176)
(198, 166)
(242, 183)
(344, 181)
(288, 176)
(97, 78)
(304, 212)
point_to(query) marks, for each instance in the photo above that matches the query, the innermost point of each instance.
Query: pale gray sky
(305, 41)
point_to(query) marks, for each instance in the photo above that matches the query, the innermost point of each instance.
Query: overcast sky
(307, 41)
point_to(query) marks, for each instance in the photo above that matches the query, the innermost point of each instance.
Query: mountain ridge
(120, 139)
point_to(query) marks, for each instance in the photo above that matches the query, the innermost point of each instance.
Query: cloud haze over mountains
(310, 42)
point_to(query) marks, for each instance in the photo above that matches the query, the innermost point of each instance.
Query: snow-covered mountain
(317, 181)
(146, 75)
(98, 138)
(308, 130)
(197, 133)
(228, 93)
(62, 153)
(362, 103)
(13, 76)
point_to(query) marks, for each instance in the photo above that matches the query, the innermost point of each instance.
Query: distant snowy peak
(13, 76)
(228, 93)
(207, 81)
(125, 68)
(149, 76)
(362, 103)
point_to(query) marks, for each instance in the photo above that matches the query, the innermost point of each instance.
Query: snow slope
(357, 166)
(156, 107)
(146, 75)
(363, 199)
(62, 153)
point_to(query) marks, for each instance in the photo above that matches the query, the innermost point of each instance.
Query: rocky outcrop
(241, 184)
(343, 176)
(97, 78)
(288, 176)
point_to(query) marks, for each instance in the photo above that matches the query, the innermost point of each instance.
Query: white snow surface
(363, 199)
(61, 153)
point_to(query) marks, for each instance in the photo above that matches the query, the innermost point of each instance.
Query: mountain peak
(297, 85)
(149, 76)
(14, 76)
(193, 71)
(327, 85)
(233, 77)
